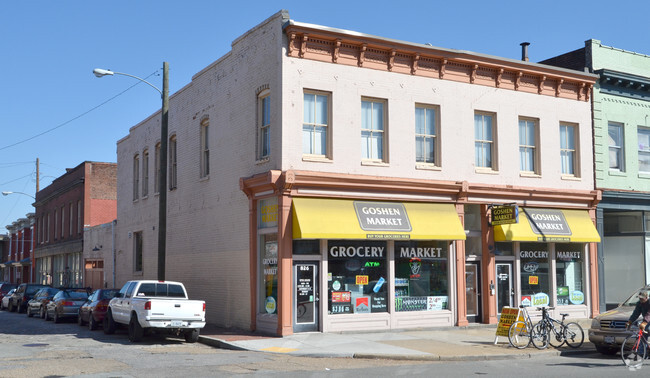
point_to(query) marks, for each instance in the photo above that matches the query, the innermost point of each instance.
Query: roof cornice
(338, 46)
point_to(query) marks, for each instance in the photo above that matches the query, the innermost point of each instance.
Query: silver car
(608, 331)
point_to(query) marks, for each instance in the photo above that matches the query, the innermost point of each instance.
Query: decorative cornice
(624, 84)
(337, 46)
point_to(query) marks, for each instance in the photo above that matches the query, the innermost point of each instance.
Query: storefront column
(461, 305)
(489, 270)
(252, 240)
(285, 267)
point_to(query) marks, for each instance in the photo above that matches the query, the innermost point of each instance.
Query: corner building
(328, 180)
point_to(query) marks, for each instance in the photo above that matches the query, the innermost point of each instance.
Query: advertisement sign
(577, 297)
(341, 296)
(526, 300)
(540, 299)
(509, 315)
(548, 222)
(361, 280)
(506, 214)
(533, 280)
(382, 216)
(437, 303)
(362, 305)
(268, 213)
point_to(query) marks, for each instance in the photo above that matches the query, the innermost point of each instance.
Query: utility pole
(162, 196)
(38, 175)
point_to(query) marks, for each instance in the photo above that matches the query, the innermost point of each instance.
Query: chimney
(524, 50)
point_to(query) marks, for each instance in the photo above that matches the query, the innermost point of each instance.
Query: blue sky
(54, 109)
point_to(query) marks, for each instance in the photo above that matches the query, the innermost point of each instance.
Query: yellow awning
(315, 218)
(552, 225)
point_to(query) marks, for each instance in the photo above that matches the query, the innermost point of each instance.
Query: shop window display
(421, 276)
(569, 262)
(357, 277)
(535, 283)
(269, 265)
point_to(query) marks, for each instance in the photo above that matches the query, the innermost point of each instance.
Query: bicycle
(556, 333)
(521, 332)
(635, 348)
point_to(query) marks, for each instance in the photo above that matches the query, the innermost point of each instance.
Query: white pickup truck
(160, 306)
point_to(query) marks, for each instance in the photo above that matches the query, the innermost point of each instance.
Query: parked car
(4, 304)
(94, 310)
(37, 304)
(65, 304)
(608, 331)
(23, 294)
(5, 287)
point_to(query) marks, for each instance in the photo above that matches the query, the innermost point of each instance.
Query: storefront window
(623, 222)
(535, 284)
(421, 276)
(503, 249)
(357, 277)
(269, 265)
(306, 247)
(569, 262)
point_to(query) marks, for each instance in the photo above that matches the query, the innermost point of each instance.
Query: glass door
(504, 287)
(473, 291)
(305, 297)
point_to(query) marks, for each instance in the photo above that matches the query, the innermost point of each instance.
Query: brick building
(19, 264)
(328, 180)
(84, 196)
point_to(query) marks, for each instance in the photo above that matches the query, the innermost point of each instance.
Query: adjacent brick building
(84, 196)
(19, 265)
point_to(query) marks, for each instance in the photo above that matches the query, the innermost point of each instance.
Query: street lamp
(162, 208)
(25, 194)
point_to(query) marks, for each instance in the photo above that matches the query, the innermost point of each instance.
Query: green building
(621, 121)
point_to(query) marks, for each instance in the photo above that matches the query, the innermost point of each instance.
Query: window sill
(486, 171)
(316, 159)
(644, 175)
(204, 178)
(373, 163)
(428, 167)
(144, 197)
(262, 161)
(571, 178)
(529, 175)
(617, 173)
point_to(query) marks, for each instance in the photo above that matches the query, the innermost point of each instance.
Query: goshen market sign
(382, 216)
(505, 214)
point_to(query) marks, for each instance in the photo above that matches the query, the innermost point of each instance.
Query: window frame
(138, 248)
(264, 125)
(383, 132)
(136, 177)
(313, 125)
(490, 142)
(644, 130)
(204, 148)
(435, 136)
(535, 147)
(574, 151)
(156, 173)
(619, 148)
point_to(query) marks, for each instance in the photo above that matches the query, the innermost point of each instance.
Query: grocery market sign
(376, 216)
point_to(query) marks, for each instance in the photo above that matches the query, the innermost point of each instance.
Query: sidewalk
(441, 344)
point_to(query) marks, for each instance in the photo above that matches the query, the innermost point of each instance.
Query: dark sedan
(94, 310)
(38, 304)
(66, 304)
(5, 287)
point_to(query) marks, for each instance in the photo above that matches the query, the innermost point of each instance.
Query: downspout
(113, 247)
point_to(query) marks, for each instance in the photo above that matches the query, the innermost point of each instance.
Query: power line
(77, 117)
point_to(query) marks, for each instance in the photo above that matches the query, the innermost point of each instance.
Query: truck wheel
(109, 324)
(192, 336)
(135, 330)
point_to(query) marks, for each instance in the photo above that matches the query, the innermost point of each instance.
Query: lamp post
(25, 194)
(162, 183)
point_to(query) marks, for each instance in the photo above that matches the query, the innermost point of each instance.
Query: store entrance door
(473, 291)
(505, 288)
(305, 297)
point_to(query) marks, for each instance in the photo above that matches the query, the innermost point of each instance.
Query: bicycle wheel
(556, 335)
(574, 336)
(633, 351)
(518, 334)
(539, 335)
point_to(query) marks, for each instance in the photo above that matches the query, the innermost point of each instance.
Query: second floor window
(484, 140)
(264, 128)
(173, 171)
(528, 145)
(137, 251)
(373, 129)
(136, 177)
(205, 148)
(426, 135)
(615, 142)
(145, 173)
(643, 135)
(315, 124)
(568, 149)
